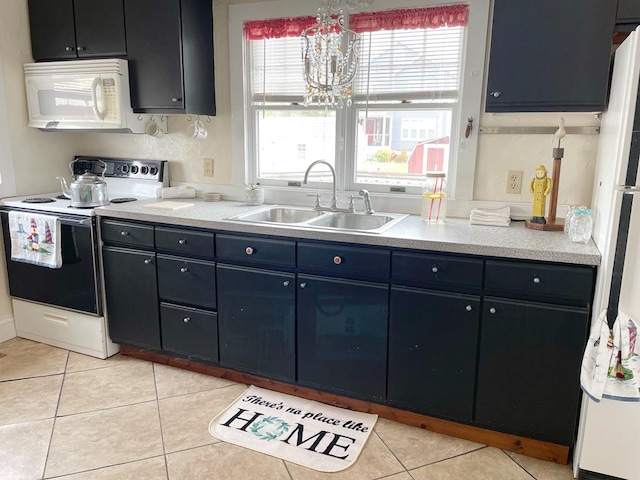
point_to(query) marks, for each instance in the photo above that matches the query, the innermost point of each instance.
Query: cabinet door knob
(176, 99)
(124, 234)
(492, 310)
(337, 260)
(536, 279)
(147, 261)
(186, 319)
(434, 269)
(79, 49)
(184, 270)
(468, 308)
(303, 284)
(495, 94)
(286, 283)
(182, 241)
(68, 49)
(249, 250)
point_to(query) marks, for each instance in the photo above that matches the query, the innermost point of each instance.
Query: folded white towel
(176, 192)
(35, 239)
(498, 217)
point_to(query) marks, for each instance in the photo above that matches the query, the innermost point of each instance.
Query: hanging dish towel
(611, 362)
(35, 239)
(623, 377)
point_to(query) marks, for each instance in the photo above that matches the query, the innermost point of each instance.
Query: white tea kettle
(87, 190)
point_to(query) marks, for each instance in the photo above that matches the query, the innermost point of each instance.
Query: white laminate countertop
(454, 236)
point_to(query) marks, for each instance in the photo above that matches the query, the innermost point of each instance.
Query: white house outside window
(408, 98)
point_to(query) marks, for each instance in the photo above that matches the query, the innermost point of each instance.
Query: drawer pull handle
(337, 260)
(536, 280)
(184, 269)
(186, 319)
(434, 269)
(249, 250)
(124, 234)
(147, 261)
(285, 283)
(468, 308)
(182, 241)
(303, 284)
(492, 310)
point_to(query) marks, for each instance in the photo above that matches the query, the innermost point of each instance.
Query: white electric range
(64, 306)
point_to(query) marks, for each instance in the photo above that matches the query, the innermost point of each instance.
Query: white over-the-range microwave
(83, 95)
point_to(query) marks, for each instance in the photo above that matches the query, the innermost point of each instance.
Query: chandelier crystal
(330, 55)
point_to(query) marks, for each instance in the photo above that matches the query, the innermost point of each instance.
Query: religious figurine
(540, 186)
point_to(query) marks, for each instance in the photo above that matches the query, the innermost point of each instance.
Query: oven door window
(73, 286)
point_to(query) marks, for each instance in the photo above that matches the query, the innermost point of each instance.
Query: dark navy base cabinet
(132, 296)
(432, 352)
(256, 316)
(528, 368)
(342, 336)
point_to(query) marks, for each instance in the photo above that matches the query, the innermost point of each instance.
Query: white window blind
(418, 65)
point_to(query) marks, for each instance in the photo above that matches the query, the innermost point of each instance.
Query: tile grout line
(55, 416)
(164, 448)
(448, 458)
(513, 460)
(390, 449)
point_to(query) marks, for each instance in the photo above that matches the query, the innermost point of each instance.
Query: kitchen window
(414, 91)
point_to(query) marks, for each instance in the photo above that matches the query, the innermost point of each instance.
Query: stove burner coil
(38, 200)
(123, 200)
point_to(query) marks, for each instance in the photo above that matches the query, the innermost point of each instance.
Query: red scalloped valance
(277, 27)
(406, 19)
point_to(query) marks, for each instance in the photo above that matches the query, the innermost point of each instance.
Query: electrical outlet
(514, 181)
(207, 167)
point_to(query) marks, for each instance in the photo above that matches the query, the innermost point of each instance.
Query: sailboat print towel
(611, 362)
(35, 239)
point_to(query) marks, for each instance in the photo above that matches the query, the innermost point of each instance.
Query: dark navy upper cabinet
(170, 53)
(72, 29)
(342, 336)
(550, 56)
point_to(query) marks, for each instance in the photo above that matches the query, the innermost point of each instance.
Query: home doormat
(311, 434)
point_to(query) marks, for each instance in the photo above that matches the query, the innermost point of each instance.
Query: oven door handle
(85, 221)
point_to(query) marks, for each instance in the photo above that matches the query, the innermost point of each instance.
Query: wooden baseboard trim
(526, 446)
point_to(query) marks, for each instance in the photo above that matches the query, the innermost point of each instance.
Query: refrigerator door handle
(628, 189)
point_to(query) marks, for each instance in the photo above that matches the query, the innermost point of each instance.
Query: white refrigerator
(609, 431)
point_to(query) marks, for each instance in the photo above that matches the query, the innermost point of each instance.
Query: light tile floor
(69, 416)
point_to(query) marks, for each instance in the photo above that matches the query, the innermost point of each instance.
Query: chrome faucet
(367, 201)
(334, 201)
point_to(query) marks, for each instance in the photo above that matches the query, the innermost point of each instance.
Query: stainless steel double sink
(309, 218)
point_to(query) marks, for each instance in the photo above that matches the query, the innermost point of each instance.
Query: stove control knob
(125, 169)
(134, 169)
(153, 170)
(144, 170)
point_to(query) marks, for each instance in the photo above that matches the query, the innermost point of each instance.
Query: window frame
(463, 150)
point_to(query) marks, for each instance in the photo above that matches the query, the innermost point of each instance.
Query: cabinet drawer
(192, 282)
(186, 242)
(436, 269)
(533, 280)
(125, 233)
(189, 331)
(256, 250)
(339, 260)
